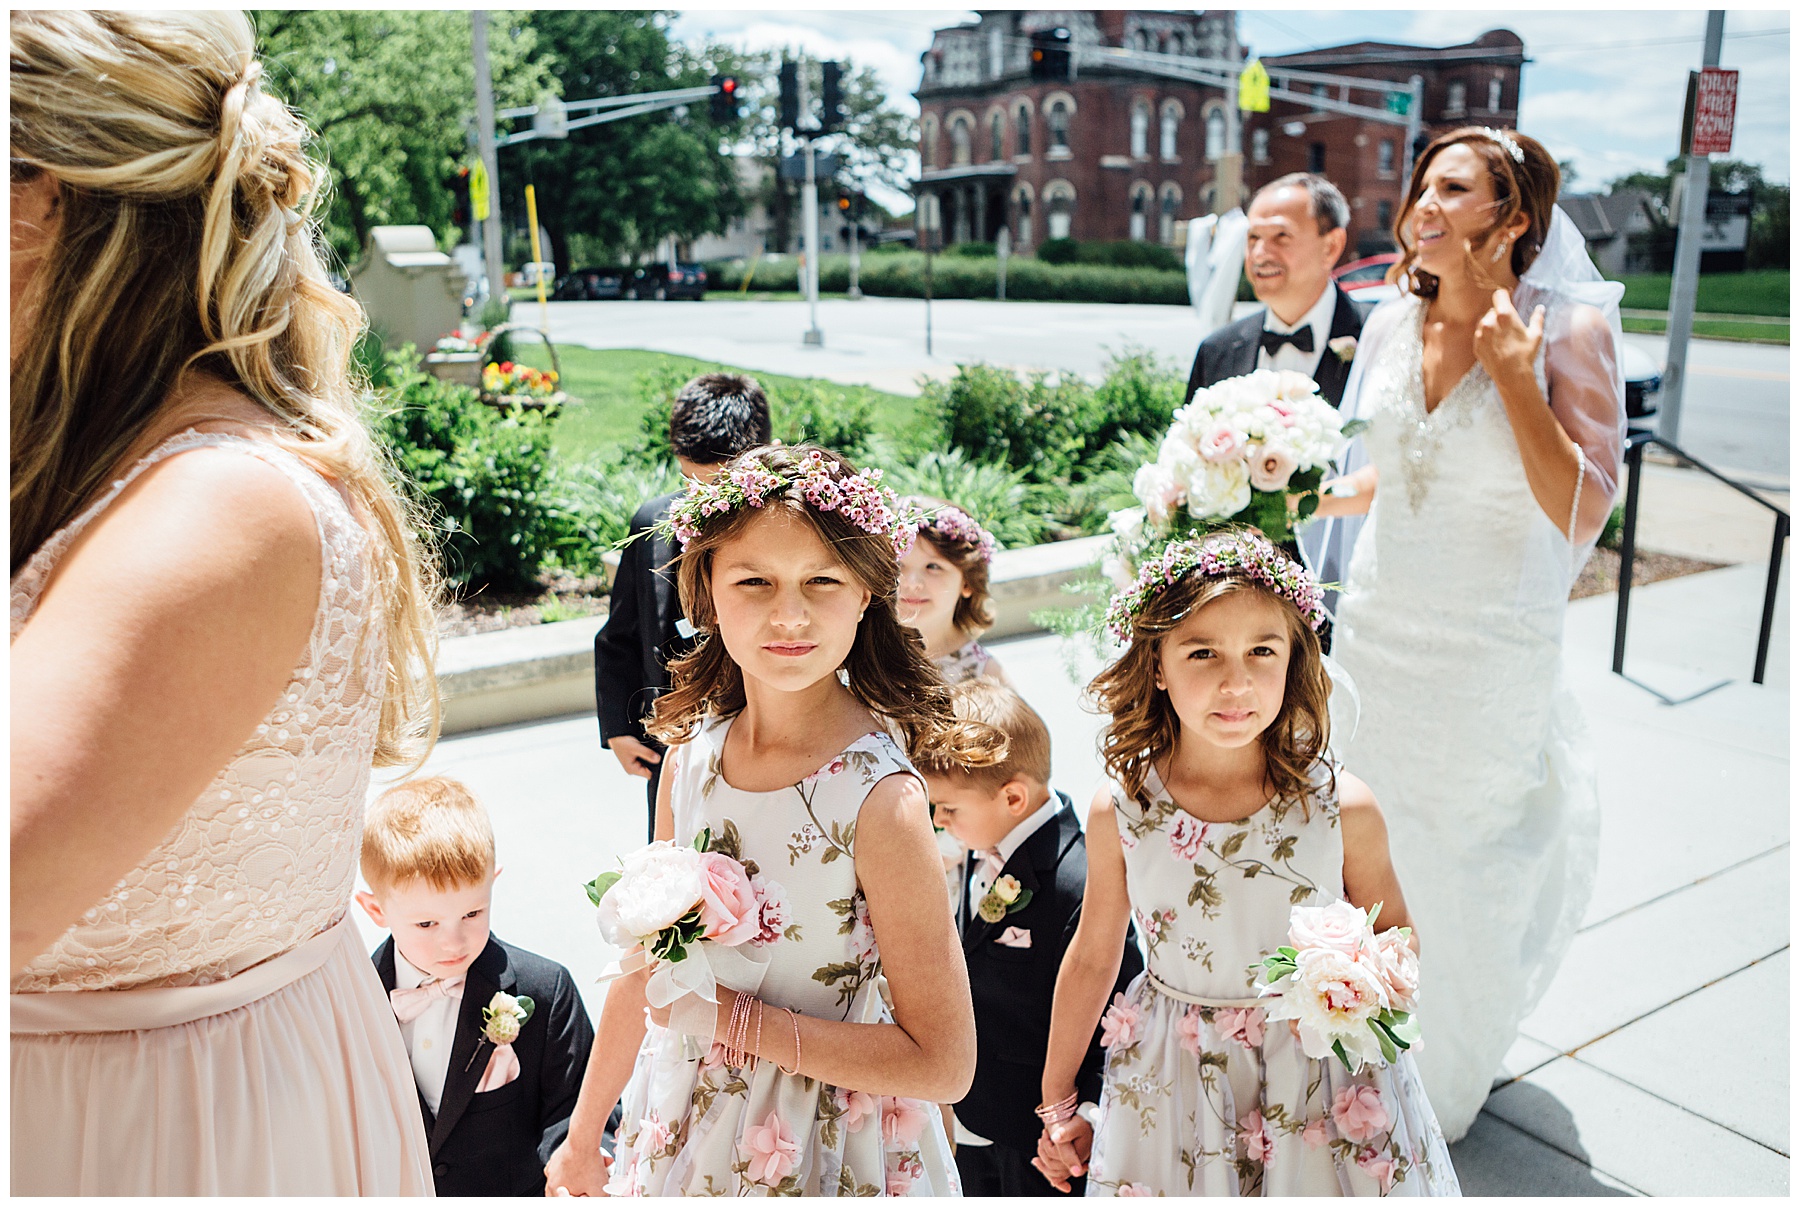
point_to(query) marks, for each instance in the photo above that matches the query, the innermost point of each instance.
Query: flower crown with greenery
(821, 484)
(953, 525)
(1218, 555)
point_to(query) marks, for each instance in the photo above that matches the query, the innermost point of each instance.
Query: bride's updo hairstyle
(1526, 180)
(1142, 726)
(187, 241)
(887, 669)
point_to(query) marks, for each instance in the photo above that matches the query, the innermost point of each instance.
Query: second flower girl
(780, 759)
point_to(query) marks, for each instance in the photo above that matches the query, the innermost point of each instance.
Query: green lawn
(606, 381)
(1754, 333)
(1763, 292)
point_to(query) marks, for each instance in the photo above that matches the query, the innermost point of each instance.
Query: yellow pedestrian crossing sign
(1253, 88)
(478, 191)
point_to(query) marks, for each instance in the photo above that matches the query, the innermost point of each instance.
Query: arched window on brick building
(1059, 209)
(959, 141)
(1167, 210)
(997, 134)
(1022, 130)
(1140, 210)
(1215, 133)
(1171, 130)
(1140, 129)
(1058, 121)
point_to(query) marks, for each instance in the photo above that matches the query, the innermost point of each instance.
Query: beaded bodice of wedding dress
(266, 857)
(1451, 625)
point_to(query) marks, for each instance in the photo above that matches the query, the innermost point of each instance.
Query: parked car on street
(666, 284)
(1365, 273)
(592, 285)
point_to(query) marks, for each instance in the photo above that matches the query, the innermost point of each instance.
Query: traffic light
(831, 116)
(1050, 55)
(458, 184)
(725, 100)
(843, 205)
(790, 96)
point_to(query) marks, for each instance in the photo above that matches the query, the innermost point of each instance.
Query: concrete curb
(547, 670)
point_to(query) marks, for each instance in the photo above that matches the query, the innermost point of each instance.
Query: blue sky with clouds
(1604, 88)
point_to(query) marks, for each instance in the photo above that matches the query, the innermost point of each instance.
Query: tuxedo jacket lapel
(1334, 372)
(491, 973)
(1240, 356)
(1042, 852)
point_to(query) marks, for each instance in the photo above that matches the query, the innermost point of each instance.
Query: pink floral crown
(1219, 555)
(953, 525)
(821, 484)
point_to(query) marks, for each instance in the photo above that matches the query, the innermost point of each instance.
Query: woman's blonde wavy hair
(187, 242)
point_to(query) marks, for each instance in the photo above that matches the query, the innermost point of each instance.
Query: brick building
(1119, 153)
(1476, 84)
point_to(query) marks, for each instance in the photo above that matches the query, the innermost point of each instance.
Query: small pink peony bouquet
(699, 912)
(1349, 990)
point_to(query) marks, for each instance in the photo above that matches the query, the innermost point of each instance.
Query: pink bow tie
(411, 1003)
(991, 865)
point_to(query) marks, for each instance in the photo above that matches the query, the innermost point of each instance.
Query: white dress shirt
(429, 1036)
(1289, 357)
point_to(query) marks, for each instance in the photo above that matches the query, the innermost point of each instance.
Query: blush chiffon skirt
(287, 1079)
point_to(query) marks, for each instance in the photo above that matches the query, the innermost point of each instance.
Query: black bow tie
(1301, 339)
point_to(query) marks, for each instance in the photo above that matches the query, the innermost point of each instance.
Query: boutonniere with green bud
(504, 1017)
(1344, 347)
(1005, 896)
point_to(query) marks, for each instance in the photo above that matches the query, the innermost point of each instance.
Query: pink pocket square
(502, 1069)
(1012, 936)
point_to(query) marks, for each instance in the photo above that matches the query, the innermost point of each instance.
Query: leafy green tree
(391, 94)
(625, 184)
(1768, 244)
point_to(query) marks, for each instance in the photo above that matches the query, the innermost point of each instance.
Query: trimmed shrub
(902, 275)
(999, 497)
(1058, 251)
(1121, 253)
(973, 251)
(477, 470)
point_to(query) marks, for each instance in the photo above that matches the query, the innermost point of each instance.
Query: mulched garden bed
(566, 596)
(562, 596)
(1601, 574)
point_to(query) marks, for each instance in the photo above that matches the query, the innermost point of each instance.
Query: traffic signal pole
(484, 132)
(809, 200)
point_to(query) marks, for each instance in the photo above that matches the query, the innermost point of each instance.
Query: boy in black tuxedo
(497, 1077)
(716, 416)
(1027, 868)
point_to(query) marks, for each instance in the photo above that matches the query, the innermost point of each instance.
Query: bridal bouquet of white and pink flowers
(675, 900)
(1233, 455)
(1348, 989)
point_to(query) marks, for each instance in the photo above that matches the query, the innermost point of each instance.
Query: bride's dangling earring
(1501, 250)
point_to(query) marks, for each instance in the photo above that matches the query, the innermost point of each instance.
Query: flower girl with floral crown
(1229, 837)
(778, 722)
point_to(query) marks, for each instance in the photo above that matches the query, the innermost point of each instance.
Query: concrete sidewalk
(1658, 1060)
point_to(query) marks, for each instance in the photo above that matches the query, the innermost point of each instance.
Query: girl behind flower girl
(817, 1086)
(944, 589)
(1224, 813)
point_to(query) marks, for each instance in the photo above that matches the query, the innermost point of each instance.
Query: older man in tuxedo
(1309, 325)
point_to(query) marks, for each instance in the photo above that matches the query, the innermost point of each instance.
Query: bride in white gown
(1495, 408)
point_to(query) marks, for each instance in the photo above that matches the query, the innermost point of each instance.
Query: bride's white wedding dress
(1451, 626)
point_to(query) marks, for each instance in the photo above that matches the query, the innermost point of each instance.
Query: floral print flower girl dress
(1201, 1096)
(694, 1125)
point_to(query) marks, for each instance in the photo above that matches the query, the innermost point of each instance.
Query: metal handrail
(1635, 444)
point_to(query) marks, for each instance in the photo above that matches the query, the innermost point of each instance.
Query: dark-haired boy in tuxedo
(1027, 869)
(498, 1037)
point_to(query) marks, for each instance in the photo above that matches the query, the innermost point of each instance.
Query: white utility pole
(1684, 287)
(854, 293)
(484, 127)
(809, 199)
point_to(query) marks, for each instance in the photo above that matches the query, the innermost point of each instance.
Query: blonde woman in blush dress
(1496, 424)
(219, 624)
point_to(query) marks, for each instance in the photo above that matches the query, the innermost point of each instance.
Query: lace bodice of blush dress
(266, 857)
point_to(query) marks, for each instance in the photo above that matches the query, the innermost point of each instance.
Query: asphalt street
(1735, 414)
